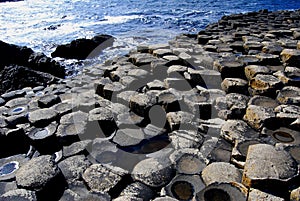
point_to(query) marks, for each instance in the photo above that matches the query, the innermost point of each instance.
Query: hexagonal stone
(223, 191)
(140, 59)
(128, 137)
(73, 167)
(291, 57)
(42, 116)
(265, 165)
(112, 89)
(48, 100)
(235, 85)
(153, 172)
(140, 104)
(233, 130)
(268, 59)
(63, 108)
(263, 101)
(10, 165)
(76, 148)
(74, 117)
(255, 194)
(100, 178)
(220, 172)
(37, 173)
(264, 85)
(257, 116)
(186, 139)
(289, 95)
(20, 195)
(230, 69)
(138, 190)
(17, 101)
(252, 70)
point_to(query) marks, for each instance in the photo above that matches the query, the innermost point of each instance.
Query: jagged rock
(223, 191)
(278, 166)
(268, 59)
(140, 59)
(138, 190)
(179, 120)
(48, 100)
(37, 173)
(221, 151)
(42, 116)
(295, 194)
(220, 172)
(140, 104)
(230, 69)
(19, 194)
(263, 101)
(239, 151)
(235, 85)
(186, 139)
(255, 194)
(289, 95)
(83, 48)
(233, 130)
(9, 166)
(100, 178)
(291, 57)
(77, 148)
(127, 198)
(152, 172)
(17, 77)
(184, 187)
(257, 116)
(128, 137)
(73, 167)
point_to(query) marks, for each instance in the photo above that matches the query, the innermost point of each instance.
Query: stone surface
(19, 194)
(255, 194)
(264, 85)
(291, 57)
(42, 116)
(265, 164)
(152, 172)
(289, 95)
(235, 85)
(220, 172)
(257, 116)
(37, 173)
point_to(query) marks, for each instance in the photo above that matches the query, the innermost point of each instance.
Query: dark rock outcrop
(82, 48)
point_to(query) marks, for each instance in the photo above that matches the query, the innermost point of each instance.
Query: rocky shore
(212, 116)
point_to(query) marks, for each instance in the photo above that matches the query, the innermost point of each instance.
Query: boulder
(82, 48)
(15, 77)
(291, 57)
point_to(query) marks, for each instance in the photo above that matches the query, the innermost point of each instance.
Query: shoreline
(206, 116)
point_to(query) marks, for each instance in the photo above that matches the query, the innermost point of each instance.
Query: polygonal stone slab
(42, 116)
(257, 116)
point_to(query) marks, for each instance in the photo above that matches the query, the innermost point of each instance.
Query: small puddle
(283, 137)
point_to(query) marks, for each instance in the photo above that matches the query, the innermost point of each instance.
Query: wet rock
(220, 172)
(255, 194)
(17, 77)
(152, 172)
(264, 85)
(223, 191)
(257, 116)
(235, 85)
(289, 95)
(233, 130)
(9, 166)
(73, 167)
(252, 70)
(138, 190)
(19, 194)
(42, 117)
(284, 135)
(184, 187)
(82, 48)
(48, 101)
(291, 57)
(37, 173)
(100, 178)
(278, 166)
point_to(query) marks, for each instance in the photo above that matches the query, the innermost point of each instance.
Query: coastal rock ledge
(210, 116)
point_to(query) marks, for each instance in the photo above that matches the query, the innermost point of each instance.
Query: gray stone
(17, 102)
(152, 172)
(73, 167)
(140, 104)
(289, 95)
(265, 164)
(128, 137)
(74, 117)
(257, 116)
(263, 101)
(19, 195)
(138, 190)
(48, 100)
(100, 178)
(63, 108)
(76, 148)
(42, 116)
(186, 139)
(255, 194)
(37, 173)
(189, 163)
(233, 130)
(264, 85)
(295, 194)
(235, 85)
(230, 69)
(220, 172)
(127, 198)
(10, 165)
